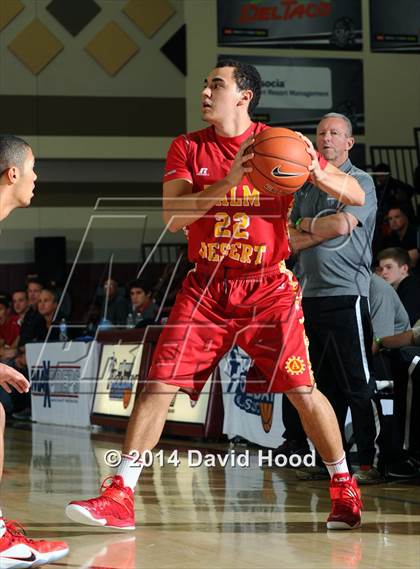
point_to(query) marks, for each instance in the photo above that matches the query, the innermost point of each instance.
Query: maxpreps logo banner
(60, 381)
(319, 24)
(297, 92)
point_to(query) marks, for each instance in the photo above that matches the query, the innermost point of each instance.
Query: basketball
(280, 162)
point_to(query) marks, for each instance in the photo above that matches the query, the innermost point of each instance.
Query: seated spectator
(47, 307)
(32, 324)
(34, 286)
(9, 328)
(403, 234)
(395, 269)
(389, 317)
(143, 308)
(20, 304)
(92, 318)
(32, 329)
(114, 306)
(64, 300)
(390, 191)
(36, 326)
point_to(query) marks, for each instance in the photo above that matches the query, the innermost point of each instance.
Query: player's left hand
(314, 168)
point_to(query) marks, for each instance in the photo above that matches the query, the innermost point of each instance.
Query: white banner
(254, 417)
(117, 379)
(63, 377)
(295, 87)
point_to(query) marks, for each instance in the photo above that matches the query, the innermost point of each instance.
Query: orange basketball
(280, 163)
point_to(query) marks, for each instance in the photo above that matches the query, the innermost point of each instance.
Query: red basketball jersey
(246, 229)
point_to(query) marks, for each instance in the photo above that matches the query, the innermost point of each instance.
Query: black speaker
(50, 259)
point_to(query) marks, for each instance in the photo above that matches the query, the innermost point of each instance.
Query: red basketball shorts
(259, 312)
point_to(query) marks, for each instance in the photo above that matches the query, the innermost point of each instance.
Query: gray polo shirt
(389, 317)
(339, 266)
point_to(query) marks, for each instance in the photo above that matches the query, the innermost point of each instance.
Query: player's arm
(329, 226)
(182, 206)
(9, 378)
(315, 230)
(333, 181)
(302, 240)
(396, 341)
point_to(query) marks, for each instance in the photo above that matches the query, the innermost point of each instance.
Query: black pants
(406, 416)
(340, 346)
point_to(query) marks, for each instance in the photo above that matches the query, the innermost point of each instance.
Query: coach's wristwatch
(297, 224)
(378, 342)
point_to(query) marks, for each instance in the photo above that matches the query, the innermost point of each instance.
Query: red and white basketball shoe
(19, 552)
(346, 503)
(114, 508)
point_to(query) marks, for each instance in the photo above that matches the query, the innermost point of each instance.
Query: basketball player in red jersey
(17, 179)
(239, 293)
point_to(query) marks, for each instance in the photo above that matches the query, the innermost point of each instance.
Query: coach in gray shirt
(333, 241)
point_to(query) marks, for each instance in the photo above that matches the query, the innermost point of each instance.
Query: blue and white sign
(254, 417)
(63, 378)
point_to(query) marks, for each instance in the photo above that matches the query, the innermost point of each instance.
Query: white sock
(130, 470)
(337, 467)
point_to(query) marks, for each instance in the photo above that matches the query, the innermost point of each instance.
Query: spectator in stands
(92, 318)
(114, 306)
(20, 304)
(143, 308)
(36, 325)
(389, 317)
(387, 312)
(391, 191)
(32, 329)
(64, 301)
(395, 269)
(47, 307)
(9, 328)
(403, 234)
(34, 287)
(32, 324)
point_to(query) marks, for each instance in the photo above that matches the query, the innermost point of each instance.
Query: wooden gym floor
(198, 517)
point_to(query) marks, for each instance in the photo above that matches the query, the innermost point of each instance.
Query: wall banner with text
(296, 93)
(318, 24)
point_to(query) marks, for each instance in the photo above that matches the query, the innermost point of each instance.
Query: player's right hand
(9, 377)
(239, 166)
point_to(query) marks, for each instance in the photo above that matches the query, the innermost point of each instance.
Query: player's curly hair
(13, 151)
(246, 77)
